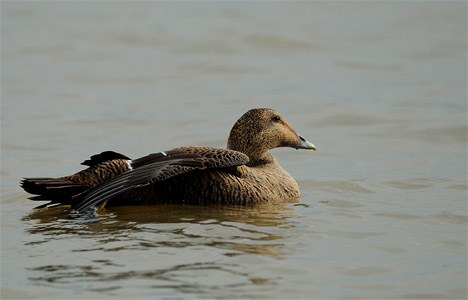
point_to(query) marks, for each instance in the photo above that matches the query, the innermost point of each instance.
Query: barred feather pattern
(98, 174)
(62, 190)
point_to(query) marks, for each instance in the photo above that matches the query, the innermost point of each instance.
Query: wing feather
(103, 157)
(158, 167)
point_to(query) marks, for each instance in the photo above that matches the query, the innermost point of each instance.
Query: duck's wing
(103, 157)
(159, 167)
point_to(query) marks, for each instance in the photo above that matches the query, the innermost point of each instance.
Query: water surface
(378, 87)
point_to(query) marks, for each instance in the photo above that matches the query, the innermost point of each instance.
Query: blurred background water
(379, 87)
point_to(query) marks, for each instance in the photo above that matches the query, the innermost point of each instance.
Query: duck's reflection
(256, 229)
(182, 241)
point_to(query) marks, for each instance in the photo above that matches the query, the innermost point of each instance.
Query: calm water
(378, 87)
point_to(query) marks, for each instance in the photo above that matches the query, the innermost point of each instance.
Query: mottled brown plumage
(244, 173)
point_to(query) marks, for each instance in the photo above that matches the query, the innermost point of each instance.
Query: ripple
(409, 184)
(367, 271)
(338, 187)
(353, 235)
(340, 203)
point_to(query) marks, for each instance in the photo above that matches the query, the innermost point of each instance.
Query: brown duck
(244, 173)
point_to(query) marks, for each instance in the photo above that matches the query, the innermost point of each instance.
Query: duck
(244, 173)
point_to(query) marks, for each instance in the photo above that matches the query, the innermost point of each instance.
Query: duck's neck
(257, 156)
(264, 159)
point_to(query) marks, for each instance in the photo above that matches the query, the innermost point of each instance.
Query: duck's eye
(276, 119)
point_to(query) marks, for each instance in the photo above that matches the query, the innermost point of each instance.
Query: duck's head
(262, 129)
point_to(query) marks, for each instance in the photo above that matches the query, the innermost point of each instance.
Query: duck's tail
(101, 167)
(59, 191)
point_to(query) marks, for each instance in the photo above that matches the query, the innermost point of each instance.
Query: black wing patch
(158, 167)
(103, 157)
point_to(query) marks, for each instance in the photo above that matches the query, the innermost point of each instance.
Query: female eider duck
(244, 173)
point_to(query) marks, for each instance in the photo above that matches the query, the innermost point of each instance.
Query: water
(378, 87)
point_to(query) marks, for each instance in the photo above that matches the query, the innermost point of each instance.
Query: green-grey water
(379, 87)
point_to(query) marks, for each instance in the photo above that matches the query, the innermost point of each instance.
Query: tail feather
(56, 190)
(67, 190)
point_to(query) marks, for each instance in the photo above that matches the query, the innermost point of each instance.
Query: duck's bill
(304, 144)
